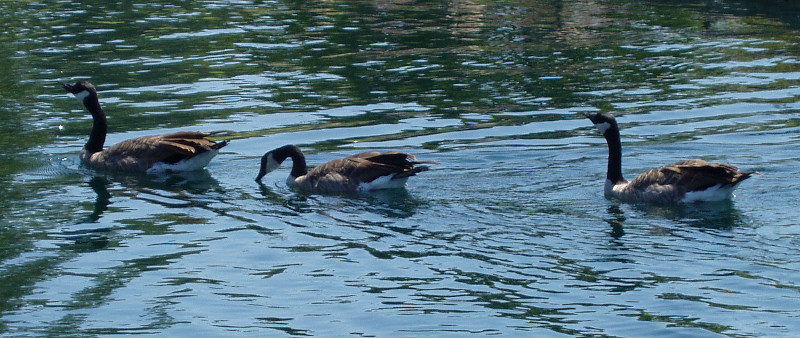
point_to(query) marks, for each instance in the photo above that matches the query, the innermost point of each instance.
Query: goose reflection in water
(394, 203)
(721, 215)
(92, 238)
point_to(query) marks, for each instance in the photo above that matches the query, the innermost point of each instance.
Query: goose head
(81, 90)
(273, 159)
(603, 121)
(268, 165)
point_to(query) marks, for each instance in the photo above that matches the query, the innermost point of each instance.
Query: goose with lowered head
(180, 151)
(692, 180)
(361, 172)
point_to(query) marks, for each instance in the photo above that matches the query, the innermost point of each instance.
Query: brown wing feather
(691, 175)
(364, 167)
(382, 164)
(139, 154)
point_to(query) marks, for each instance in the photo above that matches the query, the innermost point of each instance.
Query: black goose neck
(99, 126)
(299, 167)
(614, 172)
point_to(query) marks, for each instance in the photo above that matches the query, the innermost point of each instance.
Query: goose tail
(415, 162)
(741, 176)
(220, 145)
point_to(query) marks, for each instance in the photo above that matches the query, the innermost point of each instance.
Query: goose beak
(69, 87)
(263, 169)
(595, 118)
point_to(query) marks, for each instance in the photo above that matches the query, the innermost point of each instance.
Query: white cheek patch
(82, 95)
(272, 164)
(603, 126)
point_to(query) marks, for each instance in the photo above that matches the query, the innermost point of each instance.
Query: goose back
(362, 172)
(359, 172)
(180, 151)
(683, 181)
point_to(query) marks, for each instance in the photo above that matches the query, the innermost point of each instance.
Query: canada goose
(686, 181)
(180, 151)
(360, 172)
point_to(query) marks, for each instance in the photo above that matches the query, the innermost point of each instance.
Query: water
(510, 234)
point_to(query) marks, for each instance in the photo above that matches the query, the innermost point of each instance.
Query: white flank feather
(383, 182)
(197, 162)
(712, 194)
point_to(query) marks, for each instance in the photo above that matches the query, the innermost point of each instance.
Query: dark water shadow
(93, 238)
(92, 234)
(722, 215)
(616, 221)
(100, 187)
(392, 203)
(298, 203)
(194, 182)
(185, 184)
